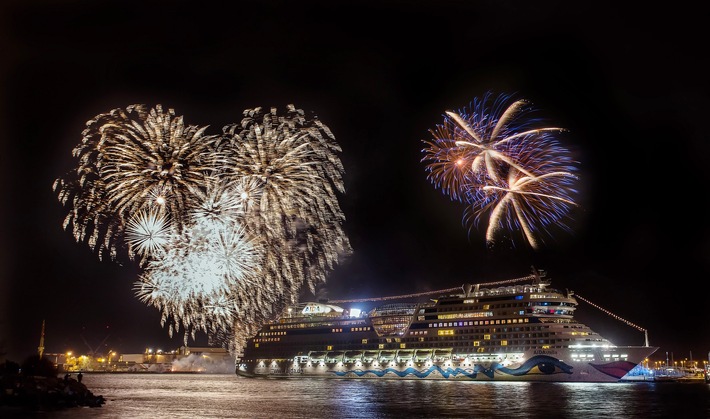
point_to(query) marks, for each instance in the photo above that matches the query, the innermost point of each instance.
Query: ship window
(476, 343)
(402, 345)
(486, 337)
(364, 341)
(329, 347)
(381, 346)
(503, 343)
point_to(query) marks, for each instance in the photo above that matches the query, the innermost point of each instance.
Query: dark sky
(629, 84)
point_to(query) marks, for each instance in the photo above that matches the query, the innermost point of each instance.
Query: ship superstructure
(513, 332)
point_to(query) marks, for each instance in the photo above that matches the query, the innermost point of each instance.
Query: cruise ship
(524, 332)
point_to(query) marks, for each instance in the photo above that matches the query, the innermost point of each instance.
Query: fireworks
(494, 159)
(132, 160)
(147, 232)
(227, 228)
(201, 266)
(289, 173)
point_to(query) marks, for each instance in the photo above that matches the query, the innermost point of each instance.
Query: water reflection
(228, 396)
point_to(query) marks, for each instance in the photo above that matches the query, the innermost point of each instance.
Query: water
(228, 396)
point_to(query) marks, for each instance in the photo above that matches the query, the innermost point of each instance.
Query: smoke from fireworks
(495, 159)
(227, 228)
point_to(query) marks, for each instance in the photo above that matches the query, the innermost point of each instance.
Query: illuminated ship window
(329, 347)
(476, 343)
(381, 346)
(486, 337)
(503, 343)
(364, 341)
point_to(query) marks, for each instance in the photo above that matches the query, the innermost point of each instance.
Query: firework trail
(227, 228)
(495, 159)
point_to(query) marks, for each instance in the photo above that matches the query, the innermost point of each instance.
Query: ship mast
(41, 342)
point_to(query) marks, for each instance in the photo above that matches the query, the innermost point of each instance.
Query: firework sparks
(148, 232)
(206, 262)
(288, 167)
(228, 228)
(293, 163)
(498, 162)
(131, 160)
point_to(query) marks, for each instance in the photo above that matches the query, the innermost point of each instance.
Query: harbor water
(229, 396)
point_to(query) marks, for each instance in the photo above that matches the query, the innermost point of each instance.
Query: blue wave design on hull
(545, 365)
(448, 372)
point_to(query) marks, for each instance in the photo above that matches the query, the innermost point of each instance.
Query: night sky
(628, 83)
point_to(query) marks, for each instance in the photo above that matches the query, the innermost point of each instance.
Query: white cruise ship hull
(602, 364)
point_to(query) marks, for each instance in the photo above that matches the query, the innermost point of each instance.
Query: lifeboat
(352, 356)
(442, 354)
(422, 354)
(369, 356)
(316, 356)
(334, 356)
(405, 354)
(387, 355)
